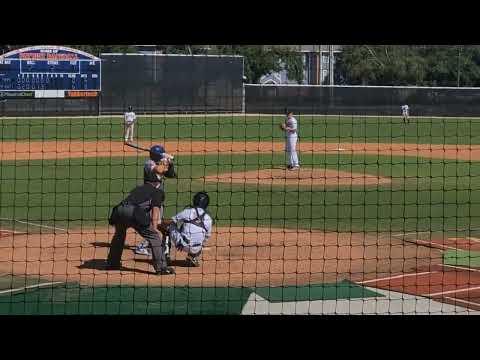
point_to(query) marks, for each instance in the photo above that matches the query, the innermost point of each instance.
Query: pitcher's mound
(302, 176)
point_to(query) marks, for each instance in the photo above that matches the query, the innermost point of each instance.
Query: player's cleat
(142, 250)
(289, 167)
(166, 271)
(192, 261)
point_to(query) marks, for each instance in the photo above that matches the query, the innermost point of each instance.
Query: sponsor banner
(80, 94)
(49, 94)
(17, 94)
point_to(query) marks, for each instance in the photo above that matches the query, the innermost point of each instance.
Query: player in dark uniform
(141, 211)
(158, 167)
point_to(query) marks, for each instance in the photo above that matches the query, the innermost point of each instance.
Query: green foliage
(410, 65)
(98, 49)
(260, 61)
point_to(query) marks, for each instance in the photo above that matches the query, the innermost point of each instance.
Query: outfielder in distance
(405, 113)
(290, 127)
(158, 167)
(129, 124)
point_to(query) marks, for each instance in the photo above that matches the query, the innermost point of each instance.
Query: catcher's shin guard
(192, 260)
(168, 245)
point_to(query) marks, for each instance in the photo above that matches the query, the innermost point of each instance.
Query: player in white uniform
(195, 229)
(158, 167)
(129, 124)
(291, 136)
(405, 111)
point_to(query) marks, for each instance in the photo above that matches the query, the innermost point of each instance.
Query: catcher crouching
(189, 230)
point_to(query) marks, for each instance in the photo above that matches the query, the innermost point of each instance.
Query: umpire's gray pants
(153, 237)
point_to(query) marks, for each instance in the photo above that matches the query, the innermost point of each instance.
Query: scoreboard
(50, 68)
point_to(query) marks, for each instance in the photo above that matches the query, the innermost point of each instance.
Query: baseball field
(382, 218)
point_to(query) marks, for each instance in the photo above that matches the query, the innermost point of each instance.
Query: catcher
(195, 229)
(156, 169)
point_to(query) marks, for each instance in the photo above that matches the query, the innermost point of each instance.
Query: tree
(260, 61)
(423, 65)
(99, 49)
(381, 65)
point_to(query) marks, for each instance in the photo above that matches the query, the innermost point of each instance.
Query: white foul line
(460, 268)
(396, 277)
(412, 233)
(30, 287)
(435, 244)
(462, 301)
(34, 224)
(473, 239)
(453, 291)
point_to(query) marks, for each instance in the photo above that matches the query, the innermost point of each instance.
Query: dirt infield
(80, 149)
(236, 256)
(304, 177)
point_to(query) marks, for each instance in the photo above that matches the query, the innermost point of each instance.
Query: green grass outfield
(248, 128)
(425, 195)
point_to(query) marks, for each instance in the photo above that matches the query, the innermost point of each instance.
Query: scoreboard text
(49, 68)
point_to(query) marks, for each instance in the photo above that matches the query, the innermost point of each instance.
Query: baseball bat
(137, 147)
(171, 157)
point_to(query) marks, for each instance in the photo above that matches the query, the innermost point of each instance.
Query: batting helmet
(156, 152)
(130, 108)
(201, 200)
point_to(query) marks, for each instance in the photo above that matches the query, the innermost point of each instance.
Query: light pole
(458, 66)
(330, 63)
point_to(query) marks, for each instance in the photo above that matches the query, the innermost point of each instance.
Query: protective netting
(380, 217)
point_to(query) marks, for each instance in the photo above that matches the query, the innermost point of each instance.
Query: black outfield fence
(50, 107)
(171, 83)
(151, 84)
(358, 100)
(212, 84)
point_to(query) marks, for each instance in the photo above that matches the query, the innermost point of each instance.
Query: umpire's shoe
(166, 271)
(109, 266)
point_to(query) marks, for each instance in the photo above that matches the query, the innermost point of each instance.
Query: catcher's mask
(156, 152)
(201, 200)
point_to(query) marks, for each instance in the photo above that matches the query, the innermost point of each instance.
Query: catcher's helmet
(156, 152)
(201, 200)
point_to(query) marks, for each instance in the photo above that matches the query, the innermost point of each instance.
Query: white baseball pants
(291, 149)
(129, 131)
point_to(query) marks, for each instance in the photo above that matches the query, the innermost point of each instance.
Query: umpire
(141, 211)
